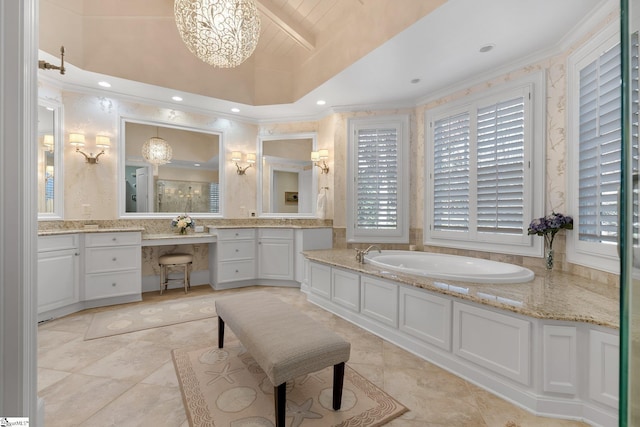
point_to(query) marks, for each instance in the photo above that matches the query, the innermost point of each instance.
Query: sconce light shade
(48, 141)
(157, 151)
(103, 142)
(76, 139)
(321, 155)
(222, 33)
(236, 156)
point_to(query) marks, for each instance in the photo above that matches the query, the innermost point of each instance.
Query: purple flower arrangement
(549, 225)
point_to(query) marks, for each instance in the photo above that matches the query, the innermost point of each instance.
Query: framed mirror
(50, 150)
(189, 180)
(287, 184)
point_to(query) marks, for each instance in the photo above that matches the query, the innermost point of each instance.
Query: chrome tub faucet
(360, 254)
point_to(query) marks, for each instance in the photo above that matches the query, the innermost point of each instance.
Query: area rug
(146, 316)
(226, 387)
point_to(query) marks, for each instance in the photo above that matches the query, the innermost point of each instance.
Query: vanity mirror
(50, 199)
(165, 170)
(287, 177)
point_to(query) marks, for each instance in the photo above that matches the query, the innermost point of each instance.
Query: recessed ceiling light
(486, 48)
(415, 81)
(176, 98)
(321, 102)
(104, 84)
(235, 110)
(196, 164)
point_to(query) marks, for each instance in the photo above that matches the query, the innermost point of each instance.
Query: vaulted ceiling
(302, 44)
(351, 53)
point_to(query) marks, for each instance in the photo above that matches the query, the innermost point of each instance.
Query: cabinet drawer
(236, 233)
(235, 250)
(231, 271)
(100, 260)
(275, 233)
(112, 284)
(112, 239)
(54, 243)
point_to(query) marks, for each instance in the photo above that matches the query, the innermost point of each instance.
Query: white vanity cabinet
(263, 255)
(58, 274)
(234, 258)
(112, 265)
(275, 254)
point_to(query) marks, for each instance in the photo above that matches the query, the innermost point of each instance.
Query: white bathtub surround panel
(530, 360)
(558, 296)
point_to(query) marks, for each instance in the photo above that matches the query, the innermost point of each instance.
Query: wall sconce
(102, 142)
(48, 142)
(323, 155)
(236, 156)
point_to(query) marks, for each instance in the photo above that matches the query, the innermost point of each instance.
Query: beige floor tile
(130, 380)
(155, 406)
(77, 397)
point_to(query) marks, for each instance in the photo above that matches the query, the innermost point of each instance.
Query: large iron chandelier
(222, 33)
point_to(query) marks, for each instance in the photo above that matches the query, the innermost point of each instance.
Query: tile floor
(129, 380)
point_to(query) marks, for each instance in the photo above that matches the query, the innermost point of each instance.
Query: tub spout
(360, 254)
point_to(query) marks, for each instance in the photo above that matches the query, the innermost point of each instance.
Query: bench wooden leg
(220, 332)
(338, 380)
(280, 398)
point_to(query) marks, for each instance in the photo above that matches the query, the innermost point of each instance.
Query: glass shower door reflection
(630, 223)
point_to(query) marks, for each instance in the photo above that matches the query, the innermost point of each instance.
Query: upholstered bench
(283, 341)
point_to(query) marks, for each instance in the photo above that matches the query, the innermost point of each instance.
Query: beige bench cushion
(284, 342)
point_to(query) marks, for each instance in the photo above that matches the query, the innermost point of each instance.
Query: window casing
(483, 154)
(378, 180)
(594, 151)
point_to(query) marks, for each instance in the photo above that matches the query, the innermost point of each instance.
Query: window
(480, 163)
(378, 180)
(594, 140)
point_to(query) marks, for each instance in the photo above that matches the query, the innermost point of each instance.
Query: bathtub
(451, 267)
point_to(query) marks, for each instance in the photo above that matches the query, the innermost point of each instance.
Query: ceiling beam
(293, 29)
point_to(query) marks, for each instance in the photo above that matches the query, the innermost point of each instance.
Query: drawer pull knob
(114, 258)
(237, 271)
(114, 239)
(113, 284)
(237, 250)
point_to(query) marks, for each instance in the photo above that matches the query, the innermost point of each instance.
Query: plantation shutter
(377, 179)
(214, 197)
(600, 148)
(500, 167)
(451, 173)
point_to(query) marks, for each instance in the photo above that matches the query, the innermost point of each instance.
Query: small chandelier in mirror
(222, 33)
(157, 151)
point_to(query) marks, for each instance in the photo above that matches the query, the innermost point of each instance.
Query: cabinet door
(275, 259)
(604, 353)
(58, 279)
(320, 279)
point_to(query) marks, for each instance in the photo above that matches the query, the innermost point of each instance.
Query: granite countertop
(87, 230)
(552, 295)
(227, 227)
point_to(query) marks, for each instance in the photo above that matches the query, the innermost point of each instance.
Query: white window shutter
(599, 148)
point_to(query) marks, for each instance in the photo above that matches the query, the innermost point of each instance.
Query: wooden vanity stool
(171, 261)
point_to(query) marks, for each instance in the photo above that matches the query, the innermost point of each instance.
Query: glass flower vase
(548, 258)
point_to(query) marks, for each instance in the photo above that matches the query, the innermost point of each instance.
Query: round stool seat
(169, 259)
(172, 261)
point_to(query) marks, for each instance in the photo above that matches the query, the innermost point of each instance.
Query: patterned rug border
(186, 373)
(90, 334)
